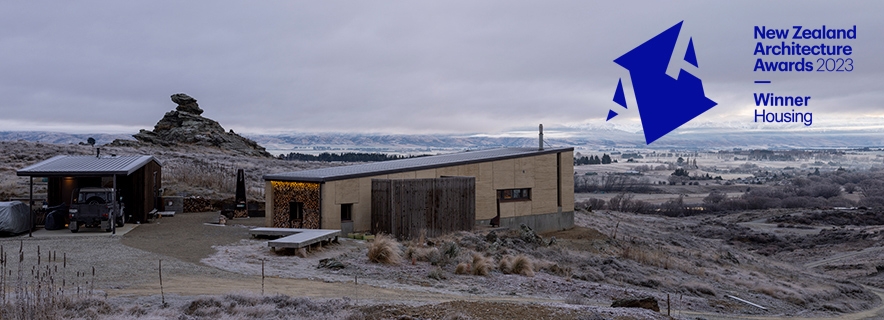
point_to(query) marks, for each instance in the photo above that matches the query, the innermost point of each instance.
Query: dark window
(296, 210)
(347, 212)
(521, 194)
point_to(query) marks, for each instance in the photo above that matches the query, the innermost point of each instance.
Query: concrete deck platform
(295, 238)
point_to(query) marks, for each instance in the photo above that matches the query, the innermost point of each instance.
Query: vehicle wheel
(121, 222)
(95, 200)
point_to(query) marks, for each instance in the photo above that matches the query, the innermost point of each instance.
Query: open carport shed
(138, 180)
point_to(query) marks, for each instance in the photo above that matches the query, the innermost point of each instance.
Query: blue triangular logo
(611, 114)
(664, 103)
(619, 97)
(690, 56)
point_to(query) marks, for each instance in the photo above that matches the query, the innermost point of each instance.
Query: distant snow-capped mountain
(585, 136)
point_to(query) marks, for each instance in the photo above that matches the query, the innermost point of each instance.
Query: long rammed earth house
(430, 195)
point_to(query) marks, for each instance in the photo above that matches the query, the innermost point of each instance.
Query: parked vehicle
(94, 207)
(14, 218)
(55, 216)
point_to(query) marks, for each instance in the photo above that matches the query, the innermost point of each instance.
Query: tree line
(605, 159)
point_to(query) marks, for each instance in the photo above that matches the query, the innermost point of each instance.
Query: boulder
(330, 263)
(491, 237)
(186, 103)
(528, 235)
(645, 303)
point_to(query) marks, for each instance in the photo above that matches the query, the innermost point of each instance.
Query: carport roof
(73, 166)
(413, 164)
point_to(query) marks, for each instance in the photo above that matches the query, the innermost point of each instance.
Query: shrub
(450, 250)
(840, 202)
(596, 203)
(523, 265)
(715, 197)
(384, 249)
(422, 254)
(437, 274)
(434, 257)
(761, 202)
(874, 202)
(674, 207)
(802, 202)
(826, 190)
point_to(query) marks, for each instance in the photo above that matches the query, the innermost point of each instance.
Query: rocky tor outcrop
(186, 103)
(185, 125)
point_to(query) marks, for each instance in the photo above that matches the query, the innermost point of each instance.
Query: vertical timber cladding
(285, 192)
(405, 208)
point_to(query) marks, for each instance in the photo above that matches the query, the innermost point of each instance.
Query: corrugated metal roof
(71, 166)
(413, 164)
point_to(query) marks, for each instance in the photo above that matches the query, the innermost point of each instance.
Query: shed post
(31, 208)
(113, 218)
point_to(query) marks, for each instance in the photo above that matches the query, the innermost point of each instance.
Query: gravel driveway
(122, 261)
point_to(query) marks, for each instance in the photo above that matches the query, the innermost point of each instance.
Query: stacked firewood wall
(284, 193)
(198, 205)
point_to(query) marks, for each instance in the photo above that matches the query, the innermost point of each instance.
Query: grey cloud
(461, 66)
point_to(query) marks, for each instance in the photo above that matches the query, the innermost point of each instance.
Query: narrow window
(520, 194)
(346, 212)
(296, 211)
(559, 179)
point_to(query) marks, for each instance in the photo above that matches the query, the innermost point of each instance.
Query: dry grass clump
(699, 288)
(505, 264)
(384, 249)
(523, 265)
(239, 306)
(520, 264)
(657, 257)
(462, 268)
(482, 265)
(431, 255)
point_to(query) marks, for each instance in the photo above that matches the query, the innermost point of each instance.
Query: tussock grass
(523, 265)
(384, 249)
(462, 268)
(431, 255)
(657, 257)
(247, 306)
(505, 265)
(482, 265)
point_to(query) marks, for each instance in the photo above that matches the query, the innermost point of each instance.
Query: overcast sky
(399, 66)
